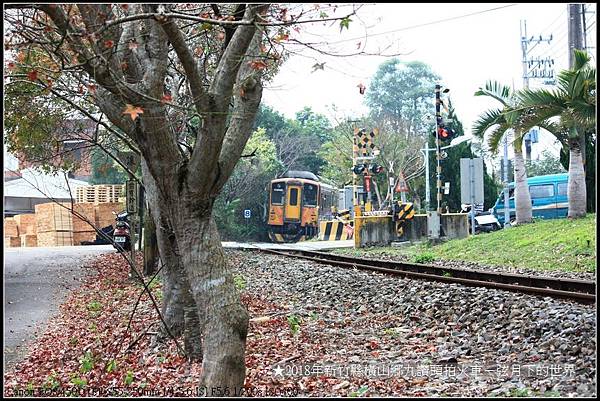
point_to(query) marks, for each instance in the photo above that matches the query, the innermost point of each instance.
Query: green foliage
(239, 282)
(402, 93)
(548, 164)
(247, 189)
(345, 23)
(111, 366)
(519, 392)
(51, 381)
(362, 390)
(105, 170)
(87, 362)
(94, 306)
(78, 381)
(128, 378)
(425, 257)
(294, 323)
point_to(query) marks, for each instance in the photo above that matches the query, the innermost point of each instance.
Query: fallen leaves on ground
(85, 348)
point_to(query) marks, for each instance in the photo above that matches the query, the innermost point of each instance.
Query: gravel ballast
(359, 333)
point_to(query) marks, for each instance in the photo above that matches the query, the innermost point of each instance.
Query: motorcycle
(484, 221)
(122, 235)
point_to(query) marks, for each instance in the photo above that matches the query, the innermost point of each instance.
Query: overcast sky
(466, 44)
(478, 42)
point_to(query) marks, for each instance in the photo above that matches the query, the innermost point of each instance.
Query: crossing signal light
(446, 134)
(358, 169)
(375, 168)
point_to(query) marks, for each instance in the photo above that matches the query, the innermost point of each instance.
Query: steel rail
(577, 290)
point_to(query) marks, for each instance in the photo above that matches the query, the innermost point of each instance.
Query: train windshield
(310, 195)
(277, 193)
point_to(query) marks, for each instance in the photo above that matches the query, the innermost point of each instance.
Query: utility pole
(541, 68)
(576, 42)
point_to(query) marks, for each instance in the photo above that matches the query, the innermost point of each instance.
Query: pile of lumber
(27, 225)
(54, 224)
(99, 193)
(11, 233)
(104, 213)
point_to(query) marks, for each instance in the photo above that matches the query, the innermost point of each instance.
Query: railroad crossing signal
(364, 141)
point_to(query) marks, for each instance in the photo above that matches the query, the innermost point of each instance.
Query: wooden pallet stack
(104, 215)
(27, 225)
(54, 224)
(82, 231)
(11, 233)
(99, 193)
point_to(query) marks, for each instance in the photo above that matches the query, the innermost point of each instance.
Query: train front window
(310, 195)
(277, 193)
(294, 197)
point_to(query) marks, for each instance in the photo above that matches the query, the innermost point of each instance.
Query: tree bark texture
(522, 195)
(576, 190)
(213, 289)
(150, 245)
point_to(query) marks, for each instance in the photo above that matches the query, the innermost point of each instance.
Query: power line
(423, 25)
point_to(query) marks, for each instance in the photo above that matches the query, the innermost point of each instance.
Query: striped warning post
(335, 231)
(402, 213)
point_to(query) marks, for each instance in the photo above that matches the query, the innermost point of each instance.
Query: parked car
(548, 198)
(484, 221)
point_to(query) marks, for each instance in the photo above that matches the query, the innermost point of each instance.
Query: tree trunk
(178, 306)
(522, 196)
(226, 322)
(150, 245)
(576, 191)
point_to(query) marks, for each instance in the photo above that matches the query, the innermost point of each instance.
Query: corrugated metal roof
(53, 186)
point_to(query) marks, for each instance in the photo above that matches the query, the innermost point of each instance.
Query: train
(298, 200)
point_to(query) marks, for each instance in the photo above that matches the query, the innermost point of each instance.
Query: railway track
(577, 290)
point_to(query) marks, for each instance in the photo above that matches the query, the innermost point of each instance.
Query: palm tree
(574, 103)
(501, 121)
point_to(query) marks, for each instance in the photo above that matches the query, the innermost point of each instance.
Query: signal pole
(438, 122)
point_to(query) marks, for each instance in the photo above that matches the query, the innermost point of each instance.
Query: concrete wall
(454, 225)
(373, 230)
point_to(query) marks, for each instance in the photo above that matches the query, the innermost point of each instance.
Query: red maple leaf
(109, 43)
(133, 111)
(92, 88)
(166, 98)
(32, 75)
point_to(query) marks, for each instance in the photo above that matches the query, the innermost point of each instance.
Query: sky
(465, 44)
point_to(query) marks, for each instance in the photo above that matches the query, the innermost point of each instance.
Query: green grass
(560, 244)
